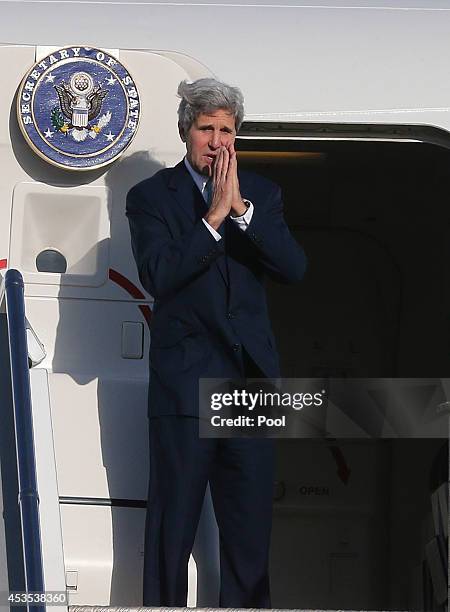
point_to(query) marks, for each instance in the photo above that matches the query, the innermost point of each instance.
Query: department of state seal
(78, 108)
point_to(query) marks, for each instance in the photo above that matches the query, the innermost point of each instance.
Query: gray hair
(205, 96)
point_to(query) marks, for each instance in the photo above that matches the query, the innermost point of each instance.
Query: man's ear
(181, 133)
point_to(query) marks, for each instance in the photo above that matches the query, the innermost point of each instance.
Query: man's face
(205, 136)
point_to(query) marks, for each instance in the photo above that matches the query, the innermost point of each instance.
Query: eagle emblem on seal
(80, 103)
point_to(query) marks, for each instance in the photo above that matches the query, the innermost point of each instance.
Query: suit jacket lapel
(186, 193)
(188, 196)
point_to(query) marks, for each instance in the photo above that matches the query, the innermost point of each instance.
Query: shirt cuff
(243, 221)
(216, 235)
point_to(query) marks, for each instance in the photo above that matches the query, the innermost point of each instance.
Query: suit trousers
(240, 472)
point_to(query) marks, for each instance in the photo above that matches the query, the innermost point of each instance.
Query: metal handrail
(12, 291)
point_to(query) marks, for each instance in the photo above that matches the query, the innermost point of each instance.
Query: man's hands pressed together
(226, 197)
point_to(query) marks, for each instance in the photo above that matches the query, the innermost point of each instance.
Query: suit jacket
(210, 300)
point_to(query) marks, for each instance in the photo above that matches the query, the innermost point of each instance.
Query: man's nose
(215, 140)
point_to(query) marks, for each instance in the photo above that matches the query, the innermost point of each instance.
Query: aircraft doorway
(353, 519)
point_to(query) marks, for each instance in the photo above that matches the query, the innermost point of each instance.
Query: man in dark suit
(204, 236)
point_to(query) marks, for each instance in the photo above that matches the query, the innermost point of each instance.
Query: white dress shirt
(242, 221)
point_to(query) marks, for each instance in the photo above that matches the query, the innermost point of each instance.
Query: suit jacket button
(230, 315)
(236, 347)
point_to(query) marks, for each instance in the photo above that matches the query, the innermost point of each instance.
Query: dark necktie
(224, 262)
(209, 192)
(209, 196)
